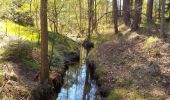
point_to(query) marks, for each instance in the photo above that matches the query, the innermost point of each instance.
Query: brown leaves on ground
(18, 81)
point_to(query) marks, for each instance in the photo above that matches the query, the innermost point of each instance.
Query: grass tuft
(150, 42)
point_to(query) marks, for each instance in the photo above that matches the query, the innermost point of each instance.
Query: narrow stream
(77, 82)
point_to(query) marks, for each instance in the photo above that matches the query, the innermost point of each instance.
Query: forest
(84, 49)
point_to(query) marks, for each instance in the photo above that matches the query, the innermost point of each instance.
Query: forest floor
(19, 77)
(16, 80)
(133, 66)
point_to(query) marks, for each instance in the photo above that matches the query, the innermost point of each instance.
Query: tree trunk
(162, 19)
(137, 16)
(80, 16)
(107, 8)
(126, 12)
(44, 71)
(159, 10)
(90, 17)
(131, 8)
(115, 15)
(149, 10)
(120, 9)
(95, 17)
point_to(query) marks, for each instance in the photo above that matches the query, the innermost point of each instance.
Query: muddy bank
(48, 92)
(56, 80)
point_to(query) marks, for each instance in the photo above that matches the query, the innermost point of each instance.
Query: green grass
(23, 32)
(119, 94)
(31, 64)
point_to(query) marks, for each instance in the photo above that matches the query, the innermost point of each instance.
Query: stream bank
(134, 66)
(56, 79)
(20, 66)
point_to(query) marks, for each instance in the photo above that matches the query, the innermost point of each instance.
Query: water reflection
(77, 83)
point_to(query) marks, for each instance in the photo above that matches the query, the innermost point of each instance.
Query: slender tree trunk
(56, 17)
(80, 15)
(107, 8)
(53, 44)
(126, 12)
(159, 10)
(115, 15)
(162, 19)
(137, 16)
(37, 23)
(94, 17)
(120, 9)
(149, 10)
(90, 17)
(131, 8)
(44, 72)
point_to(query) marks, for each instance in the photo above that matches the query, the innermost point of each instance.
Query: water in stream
(77, 83)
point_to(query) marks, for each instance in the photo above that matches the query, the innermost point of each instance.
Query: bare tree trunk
(44, 71)
(90, 17)
(120, 9)
(56, 17)
(37, 23)
(137, 16)
(126, 12)
(115, 15)
(131, 8)
(94, 24)
(80, 18)
(149, 11)
(159, 10)
(162, 19)
(107, 8)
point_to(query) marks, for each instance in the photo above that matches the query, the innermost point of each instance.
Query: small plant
(154, 52)
(150, 42)
(31, 64)
(114, 96)
(100, 70)
(121, 94)
(57, 59)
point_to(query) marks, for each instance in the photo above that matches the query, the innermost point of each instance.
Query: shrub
(18, 50)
